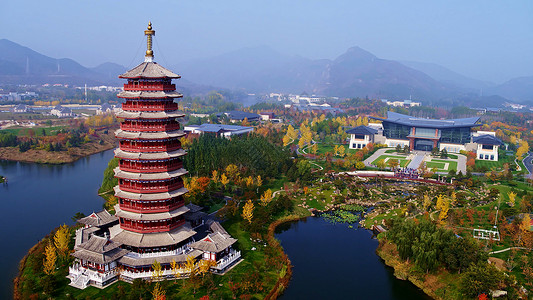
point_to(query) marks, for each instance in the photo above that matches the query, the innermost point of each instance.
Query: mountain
(110, 71)
(446, 75)
(517, 89)
(21, 64)
(258, 69)
(360, 73)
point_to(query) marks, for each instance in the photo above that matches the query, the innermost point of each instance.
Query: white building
(361, 136)
(219, 129)
(61, 112)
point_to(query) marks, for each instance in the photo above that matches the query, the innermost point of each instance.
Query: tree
(215, 176)
(190, 266)
(512, 198)
(341, 151)
(393, 163)
(398, 148)
(443, 204)
(232, 171)
(224, 180)
(61, 239)
(314, 149)
(248, 211)
(158, 293)
(406, 149)
(206, 265)
(426, 202)
(259, 181)
(157, 271)
(480, 278)
(175, 268)
(50, 257)
(266, 197)
(381, 164)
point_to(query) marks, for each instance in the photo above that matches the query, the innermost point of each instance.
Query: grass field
(440, 164)
(23, 131)
(403, 161)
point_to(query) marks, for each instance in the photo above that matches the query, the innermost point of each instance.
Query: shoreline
(403, 269)
(52, 158)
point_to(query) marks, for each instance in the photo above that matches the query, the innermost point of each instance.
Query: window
(487, 147)
(481, 156)
(492, 157)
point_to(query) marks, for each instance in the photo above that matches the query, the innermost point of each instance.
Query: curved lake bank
(336, 262)
(39, 198)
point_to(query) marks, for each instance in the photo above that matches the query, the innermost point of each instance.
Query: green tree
(480, 278)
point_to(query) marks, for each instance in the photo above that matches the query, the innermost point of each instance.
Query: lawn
(440, 164)
(23, 131)
(403, 161)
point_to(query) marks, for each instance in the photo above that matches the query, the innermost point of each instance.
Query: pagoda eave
(149, 176)
(149, 156)
(159, 239)
(148, 115)
(153, 196)
(150, 216)
(141, 135)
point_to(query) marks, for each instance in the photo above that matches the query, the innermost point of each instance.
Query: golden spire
(149, 32)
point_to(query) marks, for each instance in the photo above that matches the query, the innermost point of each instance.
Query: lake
(332, 261)
(39, 198)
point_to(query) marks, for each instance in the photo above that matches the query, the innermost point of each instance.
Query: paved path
(416, 161)
(507, 249)
(528, 163)
(461, 163)
(373, 157)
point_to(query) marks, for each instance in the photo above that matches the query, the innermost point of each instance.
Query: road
(528, 162)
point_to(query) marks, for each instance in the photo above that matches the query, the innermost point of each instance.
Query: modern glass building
(426, 134)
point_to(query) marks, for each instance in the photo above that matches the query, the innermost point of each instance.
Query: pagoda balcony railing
(150, 209)
(149, 87)
(181, 250)
(140, 127)
(227, 260)
(149, 107)
(149, 189)
(145, 168)
(136, 227)
(138, 148)
(148, 274)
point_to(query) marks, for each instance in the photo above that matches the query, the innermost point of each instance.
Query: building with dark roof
(360, 136)
(219, 129)
(426, 134)
(487, 145)
(239, 116)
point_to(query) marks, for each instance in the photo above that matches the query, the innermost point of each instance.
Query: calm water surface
(336, 262)
(37, 199)
(330, 261)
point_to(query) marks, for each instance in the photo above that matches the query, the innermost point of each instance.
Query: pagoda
(154, 224)
(150, 186)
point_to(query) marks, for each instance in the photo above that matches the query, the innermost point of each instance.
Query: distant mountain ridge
(355, 73)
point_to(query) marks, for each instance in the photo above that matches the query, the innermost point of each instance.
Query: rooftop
(431, 123)
(219, 127)
(241, 115)
(149, 70)
(364, 130)
(487, 139)
(98, 219)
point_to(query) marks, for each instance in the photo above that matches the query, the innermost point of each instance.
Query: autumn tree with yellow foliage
(61, 239)
(266, 197)
(248, 211)
(50, 257)
(443, 204)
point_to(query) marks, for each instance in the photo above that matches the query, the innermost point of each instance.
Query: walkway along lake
(40, 197)
(333, 261)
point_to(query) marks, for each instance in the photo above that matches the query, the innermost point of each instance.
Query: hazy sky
(485, 39)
